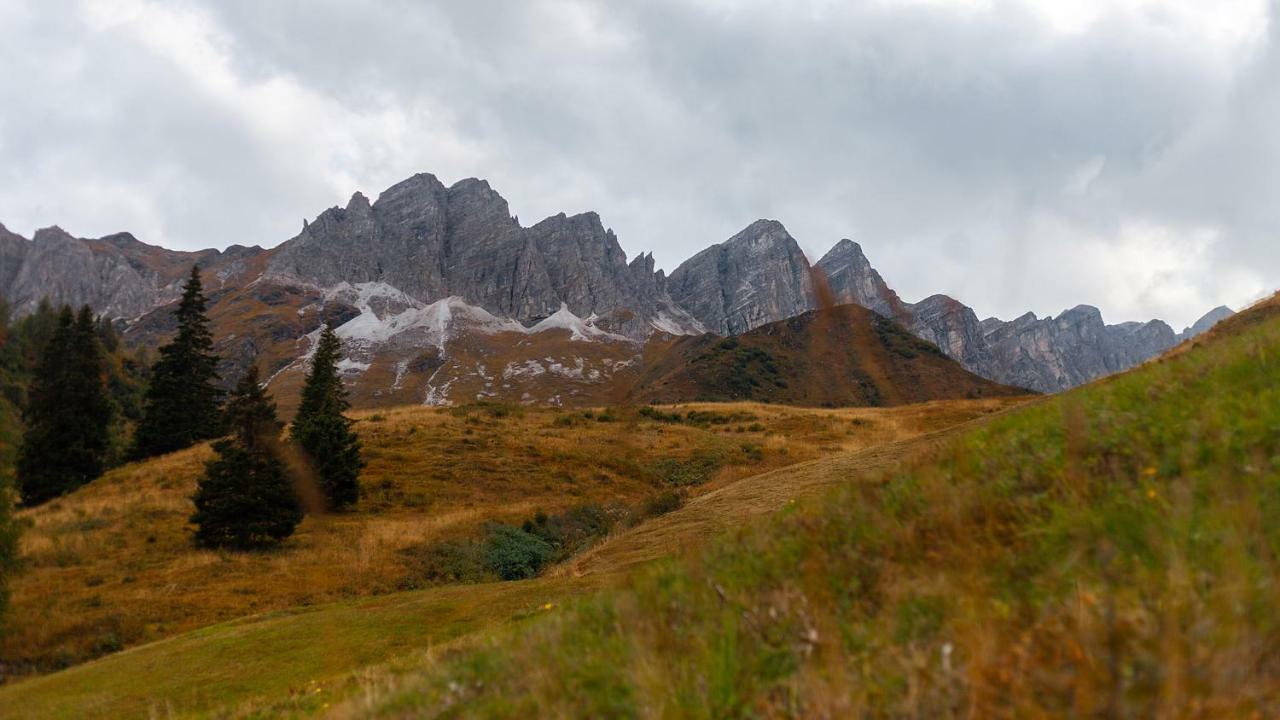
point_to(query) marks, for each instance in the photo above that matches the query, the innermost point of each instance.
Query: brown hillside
(841, 356)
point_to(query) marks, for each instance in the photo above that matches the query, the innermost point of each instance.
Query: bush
(571, 531)
(513, 554)
(663, 503)
(448, 561)
(657, 415)
(683, 473)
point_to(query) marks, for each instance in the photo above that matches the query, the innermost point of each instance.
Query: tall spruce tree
(68, 414)
(182, 403)
(322, 430)
(245, 500)
(8, 539)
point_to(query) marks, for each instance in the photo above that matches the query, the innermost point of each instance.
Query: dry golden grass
(112, 565)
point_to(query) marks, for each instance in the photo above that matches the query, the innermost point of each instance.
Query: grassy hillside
(1111, 552)
(112, 565)
(840, 356)
(281, 658)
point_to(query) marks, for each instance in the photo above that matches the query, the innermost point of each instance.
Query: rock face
(431, 242)
(1046, 355)
(1206, 322)
(1052, 354)
(437, 250)
(117, 275)
(852, 280)
(756, 277)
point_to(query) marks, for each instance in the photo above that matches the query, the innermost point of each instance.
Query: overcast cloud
(1016, 155)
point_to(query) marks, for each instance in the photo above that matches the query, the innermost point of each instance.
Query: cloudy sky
(1014, 154)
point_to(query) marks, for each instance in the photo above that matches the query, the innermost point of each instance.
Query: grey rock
(432, 242)
(1047, 355)
(13, 251)
(1206, 322)
(952, 326)
(756, 277)
(852, 280)
(117, 275)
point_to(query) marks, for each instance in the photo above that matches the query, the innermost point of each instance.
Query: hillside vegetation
(1111, 552)
(841, 355)
(113, 565)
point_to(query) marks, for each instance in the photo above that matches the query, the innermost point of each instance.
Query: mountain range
(442, 296)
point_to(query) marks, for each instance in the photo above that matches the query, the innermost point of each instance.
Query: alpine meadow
(989, 428)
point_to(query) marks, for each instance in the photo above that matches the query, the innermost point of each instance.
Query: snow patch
(347, 365)
(579, 329)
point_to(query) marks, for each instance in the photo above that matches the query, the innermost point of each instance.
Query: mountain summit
(428, 281)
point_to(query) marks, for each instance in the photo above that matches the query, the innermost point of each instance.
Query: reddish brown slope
(845, 355)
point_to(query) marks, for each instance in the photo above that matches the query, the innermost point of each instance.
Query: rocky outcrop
(953, 327)
(852, 280)
(117, 275)
(431, 242)
(756, 277)
(1047, 355)
(1056, 353)
(1206, 322)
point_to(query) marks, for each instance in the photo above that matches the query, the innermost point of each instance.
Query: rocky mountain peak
(432, 242)
(359, 203)
(852, 280)
(758, 276)
(52, 234)
(1207, 321)
(123, 240)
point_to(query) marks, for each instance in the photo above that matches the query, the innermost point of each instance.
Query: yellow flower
(1149, 472)
(1151, 494)
(548, 606)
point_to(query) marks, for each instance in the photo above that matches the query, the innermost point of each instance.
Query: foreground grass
(1111, 552)
(117, 554)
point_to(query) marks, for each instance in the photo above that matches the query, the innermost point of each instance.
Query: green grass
(1111, 552)
(287, 662)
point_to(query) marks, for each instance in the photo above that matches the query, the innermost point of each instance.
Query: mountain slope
(433, 473)
(431, 242)
(1044, 354)
(756, 277)
(845, 355)
(117, 275)
(1107, 552)
(424, 243)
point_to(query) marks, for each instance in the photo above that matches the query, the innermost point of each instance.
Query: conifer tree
(68, 414)
(8, 539)
(245, 500)
(322, 430)
(181, 407)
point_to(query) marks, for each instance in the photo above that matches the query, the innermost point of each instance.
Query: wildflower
(1149, 472)
(1151, 493)
(548, 606)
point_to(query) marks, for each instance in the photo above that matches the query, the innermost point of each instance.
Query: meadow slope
(1111, 552)
(432, 474)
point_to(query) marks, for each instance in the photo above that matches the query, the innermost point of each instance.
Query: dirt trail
(736, 504)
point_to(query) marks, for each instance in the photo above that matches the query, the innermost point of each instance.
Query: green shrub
(663, 503)
(448, 561)
(653, 413)
(571, 531)
(513, 554)
(683, 473)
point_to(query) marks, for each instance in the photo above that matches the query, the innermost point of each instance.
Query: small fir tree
(8, 540)
(245, 500)
(322, 430)
(181, 407)
(69, 413)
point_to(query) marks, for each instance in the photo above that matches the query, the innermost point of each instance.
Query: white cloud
(1014, 154)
